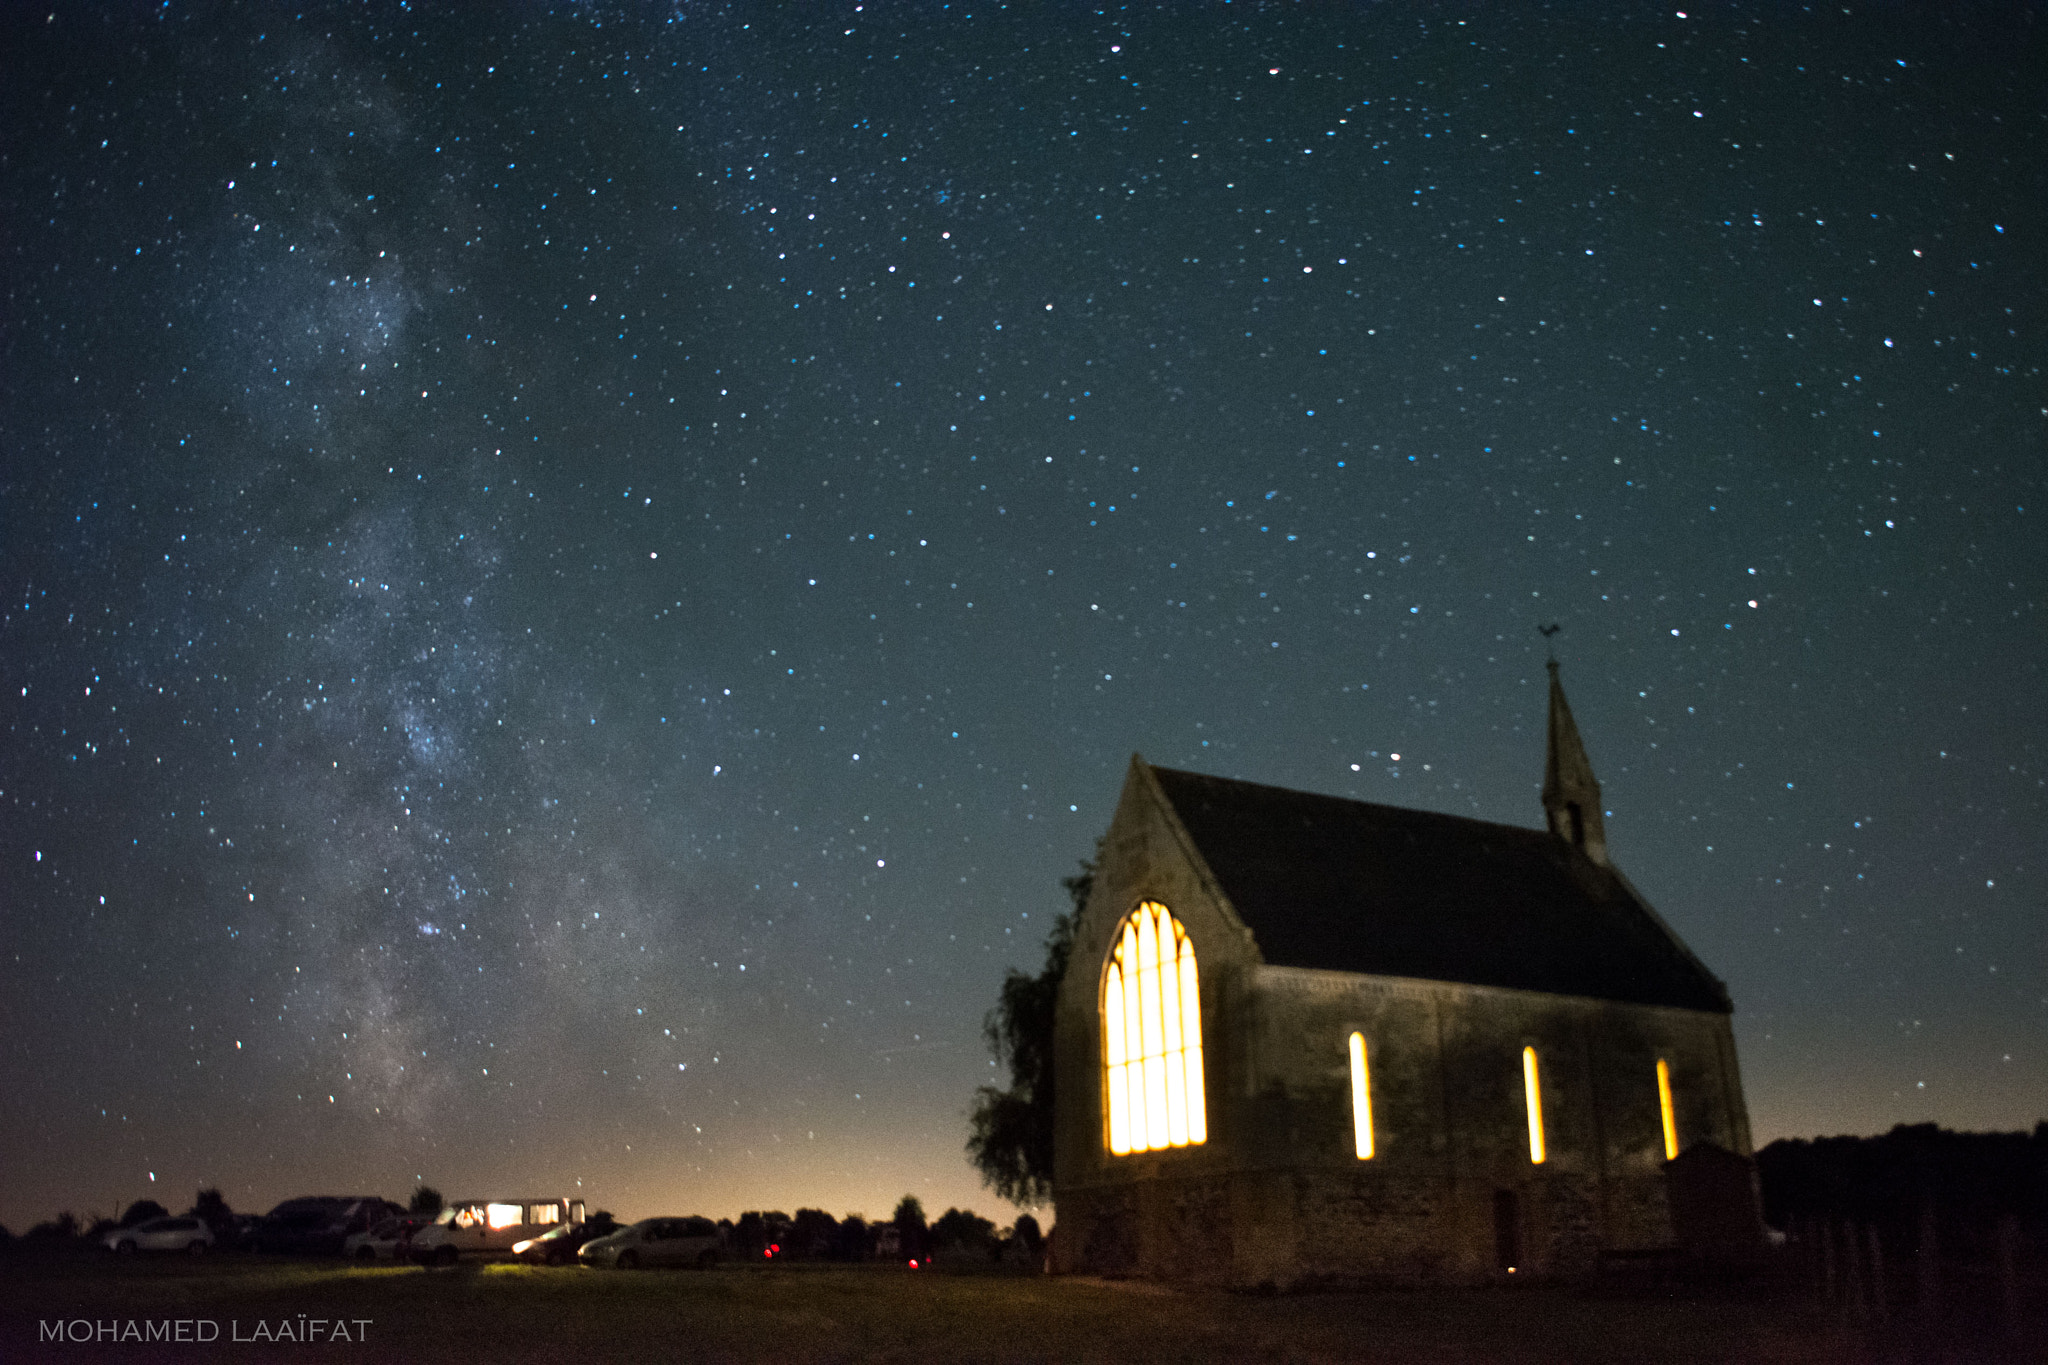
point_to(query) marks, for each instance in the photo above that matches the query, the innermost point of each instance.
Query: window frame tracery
(1154, 1096)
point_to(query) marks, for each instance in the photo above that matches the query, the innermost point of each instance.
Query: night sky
(575, 578)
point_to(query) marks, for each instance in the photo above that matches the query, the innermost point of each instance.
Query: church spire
(1571, 796)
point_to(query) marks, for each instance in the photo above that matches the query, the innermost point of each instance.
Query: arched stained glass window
(1152, 1035)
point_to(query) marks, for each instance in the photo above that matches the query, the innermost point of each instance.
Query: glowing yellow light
(1152, 1036)
(1134, 1040)
(1176, 1077)
(1114, 1057)
(543, 1214)
(1361, 1098)
(1664, 1107)
(504, 1215)
(1532, 1089)
(1191, 1034)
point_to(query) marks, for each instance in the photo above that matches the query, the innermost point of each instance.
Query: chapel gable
(1454, 1049)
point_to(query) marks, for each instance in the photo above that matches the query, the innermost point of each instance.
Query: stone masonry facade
(1277, 1194)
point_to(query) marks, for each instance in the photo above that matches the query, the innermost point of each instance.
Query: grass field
(487, 1314)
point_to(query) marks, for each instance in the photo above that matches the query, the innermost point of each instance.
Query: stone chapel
(1307, 1039)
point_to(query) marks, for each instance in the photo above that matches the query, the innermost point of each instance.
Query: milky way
(575, 582)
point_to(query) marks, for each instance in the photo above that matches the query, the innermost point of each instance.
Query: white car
(656, 1241)
(186, 1234)
(389, 1240)
(489, 1226)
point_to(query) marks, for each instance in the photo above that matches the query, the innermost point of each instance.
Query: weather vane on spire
(1546, 632)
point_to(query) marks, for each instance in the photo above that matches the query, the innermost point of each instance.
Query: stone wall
(1277, 1193)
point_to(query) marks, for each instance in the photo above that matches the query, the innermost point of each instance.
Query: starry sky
(575, 579)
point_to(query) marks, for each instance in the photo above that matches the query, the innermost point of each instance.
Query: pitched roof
(1354, 887)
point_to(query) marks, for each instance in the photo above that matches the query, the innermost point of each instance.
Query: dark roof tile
(1349, 886)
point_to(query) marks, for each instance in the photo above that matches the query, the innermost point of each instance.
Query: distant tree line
(1966, 1182)
(956, 1236)
(67, 1227)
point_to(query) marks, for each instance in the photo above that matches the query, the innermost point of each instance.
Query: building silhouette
(1303, 1038)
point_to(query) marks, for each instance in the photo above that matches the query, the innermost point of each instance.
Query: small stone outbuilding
(1306, 1039)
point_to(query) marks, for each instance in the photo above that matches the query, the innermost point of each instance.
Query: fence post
(2008, 1271)
(1824, 1230)
(1852, 1271)
(1929, 1252)
(1877, 1285)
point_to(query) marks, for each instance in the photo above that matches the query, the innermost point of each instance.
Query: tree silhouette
(758, 1231)
(811, 1233)
(852, 1240)
(912, 1235)
(426, 1200)
(211, 1208)
(966, 1233)
(1010, 1135)
(141, 1211)
(62, 1228)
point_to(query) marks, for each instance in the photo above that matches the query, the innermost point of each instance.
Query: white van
(489, 1227)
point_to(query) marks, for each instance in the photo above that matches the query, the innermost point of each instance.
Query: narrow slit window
(1361, 1098)
(1532, 1091)
(1152, 1036)
(1664, 1109)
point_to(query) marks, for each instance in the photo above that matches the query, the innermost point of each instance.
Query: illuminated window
(1664, 1108)
(543, 1214)
(1532, 1090)
(1152, 1036)
(1361, 1098)
(504, 1215)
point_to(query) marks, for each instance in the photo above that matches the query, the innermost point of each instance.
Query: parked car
(239, 1233)
(560, 1243)
(317, 1225)
(656, 1241)
(489, 1226)
(186, 1234)
(390, 1240)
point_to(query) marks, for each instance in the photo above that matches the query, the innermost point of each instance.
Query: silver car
(390, 1240)
(186, 1234)
(656, 1241)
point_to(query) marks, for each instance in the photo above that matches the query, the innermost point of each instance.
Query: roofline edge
(1193, 853)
